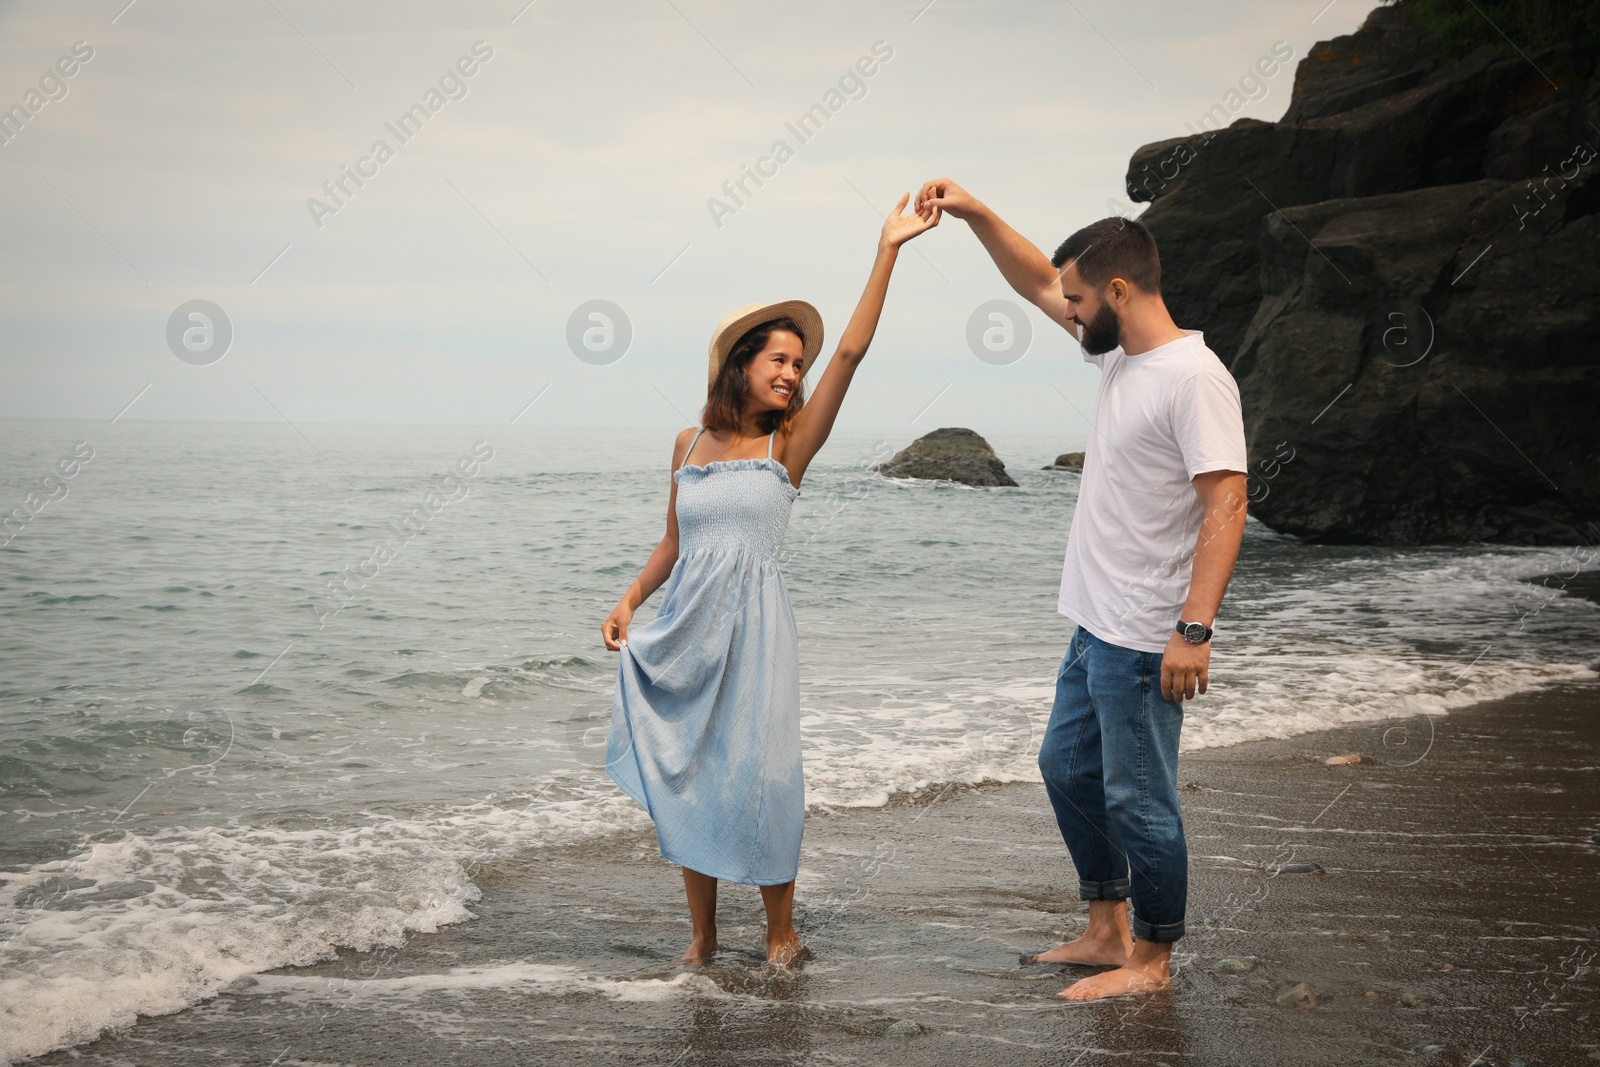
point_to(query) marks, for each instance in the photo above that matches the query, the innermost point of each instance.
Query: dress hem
(670, 858)
(727, 877)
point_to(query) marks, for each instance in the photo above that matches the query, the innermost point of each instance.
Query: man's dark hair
(1113, 248)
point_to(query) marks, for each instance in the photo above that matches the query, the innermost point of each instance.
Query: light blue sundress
(705, 727)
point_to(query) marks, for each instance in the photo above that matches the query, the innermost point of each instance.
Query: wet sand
(1455, 912)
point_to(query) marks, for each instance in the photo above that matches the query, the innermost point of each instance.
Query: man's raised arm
(1025, 268)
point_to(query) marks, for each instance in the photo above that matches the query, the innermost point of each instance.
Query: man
(1154, 539)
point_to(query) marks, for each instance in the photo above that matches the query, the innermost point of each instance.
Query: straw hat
(736, 325)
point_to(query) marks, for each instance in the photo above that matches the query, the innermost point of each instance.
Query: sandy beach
(1452, 917)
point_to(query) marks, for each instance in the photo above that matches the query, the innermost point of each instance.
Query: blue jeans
(1110, 765)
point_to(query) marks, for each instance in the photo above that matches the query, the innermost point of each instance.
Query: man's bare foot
(1098, 950)
(699, 952)
(1120, 982)
(787, 952)
(1146, 971)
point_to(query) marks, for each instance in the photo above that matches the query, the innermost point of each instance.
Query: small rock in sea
(1370, 993)
(1425, 1048)
(1299, 995)
(903, 1028)
(1301, 868)
(1340, 761)
(951, 452)
(1233, 966)
(1067, 461)
(239, 985)
(1380, 937)
(1594, 839)
(1412, 1000)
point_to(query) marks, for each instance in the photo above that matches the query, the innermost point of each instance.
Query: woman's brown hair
(724, 408)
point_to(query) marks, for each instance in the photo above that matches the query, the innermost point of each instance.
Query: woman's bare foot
(701, 890)
(1093, 948)
(783, 944)
(1146, 971)
(788, 951)
(699, 952)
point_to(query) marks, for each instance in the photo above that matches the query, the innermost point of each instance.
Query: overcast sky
(575, 163)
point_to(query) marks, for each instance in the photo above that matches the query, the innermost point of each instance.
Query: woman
(705, 728)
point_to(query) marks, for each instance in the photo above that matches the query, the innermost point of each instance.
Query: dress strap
(769, 444)
(692, 440)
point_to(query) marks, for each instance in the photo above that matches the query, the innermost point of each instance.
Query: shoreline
(1459, 861)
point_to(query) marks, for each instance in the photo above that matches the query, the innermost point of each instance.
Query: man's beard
(1103, 333)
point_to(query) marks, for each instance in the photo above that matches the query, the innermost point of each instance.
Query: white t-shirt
(1160, 418)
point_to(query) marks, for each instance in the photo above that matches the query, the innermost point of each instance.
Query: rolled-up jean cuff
(1164, 933)
(1117, 889)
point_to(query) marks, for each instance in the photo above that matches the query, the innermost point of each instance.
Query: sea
(271, 691)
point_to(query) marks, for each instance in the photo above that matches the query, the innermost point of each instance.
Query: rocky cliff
(1402, 276)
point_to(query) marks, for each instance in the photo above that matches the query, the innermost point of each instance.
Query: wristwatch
(1196, 633)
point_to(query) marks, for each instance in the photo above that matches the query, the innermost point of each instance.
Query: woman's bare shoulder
(680, 445)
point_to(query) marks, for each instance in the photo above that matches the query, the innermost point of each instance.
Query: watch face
(1194, 633)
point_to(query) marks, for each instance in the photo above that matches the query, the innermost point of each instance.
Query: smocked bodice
(736, 505)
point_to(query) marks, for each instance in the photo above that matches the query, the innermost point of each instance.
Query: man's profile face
(1089, 315)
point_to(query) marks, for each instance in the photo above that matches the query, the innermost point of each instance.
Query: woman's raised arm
(809, 430)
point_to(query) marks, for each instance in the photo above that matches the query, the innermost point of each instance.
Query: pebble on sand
(903, 1028)
(1301, 868)
(1299, 995)
(1234, 966)
(1412, 1000)
(1340, 761)
(1423, 1048)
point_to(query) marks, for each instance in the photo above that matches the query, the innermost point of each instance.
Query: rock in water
(952, 453)
(1340, 761)
(1299, 995)
(1401, 276)
(903, 1028)
(1234, 966)
(1412, 1000)
(1067, 461)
